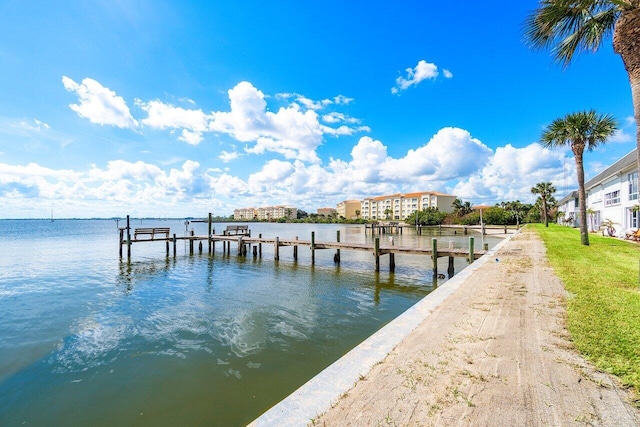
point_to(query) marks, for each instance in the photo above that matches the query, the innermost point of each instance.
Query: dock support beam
(313, 247)
(128, 239)
(210, 238)
(174, 244)
(260, 246)
(336, 257)
(471, 255)
(434, 256)
(376, 253)
(295, 251)
(276, 249)
(392, 262)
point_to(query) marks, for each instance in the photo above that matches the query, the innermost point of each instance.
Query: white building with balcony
(613, 195)
(399, 206)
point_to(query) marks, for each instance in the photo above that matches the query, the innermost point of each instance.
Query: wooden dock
(384, 228)
(245, 244)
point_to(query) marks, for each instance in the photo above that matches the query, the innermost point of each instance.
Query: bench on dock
(152, 232)
(237, 230)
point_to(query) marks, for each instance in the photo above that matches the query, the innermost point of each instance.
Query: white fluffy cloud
(451, 153)
(99, 105)
(193, 123)
(423, 71)
(511, 172)
(294, 131)
(451, 161)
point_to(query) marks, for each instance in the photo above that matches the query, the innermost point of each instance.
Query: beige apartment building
(327, 212)
(244, 214)
(399, 206)
(268, 212)
(349, 209)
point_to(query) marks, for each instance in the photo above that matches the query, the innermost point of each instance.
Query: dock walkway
(246, 244)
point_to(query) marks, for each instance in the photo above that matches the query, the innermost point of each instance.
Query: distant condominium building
(349, 209)
(327, 212)
(268, 212)
(244, 213)
(399, 206)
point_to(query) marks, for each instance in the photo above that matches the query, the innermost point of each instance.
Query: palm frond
(568, 27)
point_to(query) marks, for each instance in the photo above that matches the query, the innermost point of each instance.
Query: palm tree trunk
(584, 232)
(626, 42)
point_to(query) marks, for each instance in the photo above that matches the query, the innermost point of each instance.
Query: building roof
(615, 168)
(414, 194)
(571, 196)
(417, 194)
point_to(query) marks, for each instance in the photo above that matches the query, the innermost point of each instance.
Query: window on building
(633, 186)
(612, 198)
(633, 218)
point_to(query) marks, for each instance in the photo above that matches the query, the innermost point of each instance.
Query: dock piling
(434, 255)
(209, 234)
(376, 253)
(313, 247)
(471, 256)
(128, 238)
(336, 257)
(174, 244)
(276, 249)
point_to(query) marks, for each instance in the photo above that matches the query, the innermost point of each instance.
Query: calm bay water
(86, 339)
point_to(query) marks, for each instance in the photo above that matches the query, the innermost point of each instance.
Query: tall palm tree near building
(545, 191)
(568, 27)
(584, 130)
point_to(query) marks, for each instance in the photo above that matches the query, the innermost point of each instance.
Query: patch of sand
(495, 353)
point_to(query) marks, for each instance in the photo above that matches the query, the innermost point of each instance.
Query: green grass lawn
(604, 297)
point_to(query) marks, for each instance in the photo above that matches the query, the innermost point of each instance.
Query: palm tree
(461, 208)
(545, 191)
(573, 26)
(582, 130)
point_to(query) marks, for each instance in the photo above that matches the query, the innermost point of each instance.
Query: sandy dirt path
(495, 353)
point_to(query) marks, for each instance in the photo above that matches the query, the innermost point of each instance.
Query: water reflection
(134, 271)
(195, 340)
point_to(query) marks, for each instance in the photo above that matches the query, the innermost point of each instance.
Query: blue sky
(180, 108)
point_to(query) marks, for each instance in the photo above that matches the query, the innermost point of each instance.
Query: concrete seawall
(323, 390)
